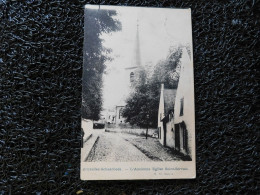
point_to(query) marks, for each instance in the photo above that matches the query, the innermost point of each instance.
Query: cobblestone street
(112, 147)
(122, 147)
(152, 148)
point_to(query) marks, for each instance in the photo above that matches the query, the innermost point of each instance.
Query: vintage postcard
(138, 115)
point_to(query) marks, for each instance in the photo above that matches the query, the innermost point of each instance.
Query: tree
(166, 71)
(95, 58)
(138, 104)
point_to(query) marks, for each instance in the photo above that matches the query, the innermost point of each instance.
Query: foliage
(166, 71)
(95, 57)
(142, 106)
(137, 110)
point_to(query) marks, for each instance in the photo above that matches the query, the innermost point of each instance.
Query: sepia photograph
(137, 85)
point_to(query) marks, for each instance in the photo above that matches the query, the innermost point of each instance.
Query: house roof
(169, 99)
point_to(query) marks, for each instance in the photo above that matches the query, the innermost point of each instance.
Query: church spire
(137, 55)
(135, 67)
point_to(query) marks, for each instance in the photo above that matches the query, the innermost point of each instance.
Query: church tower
(133, 70)
(137, 56)
(132, 76)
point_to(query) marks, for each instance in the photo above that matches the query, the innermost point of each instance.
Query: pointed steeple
(137, 55)
(135, 64)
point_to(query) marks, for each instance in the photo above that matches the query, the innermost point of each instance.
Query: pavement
(87, 146)
(152, 148)
(122, 147)
(110, 147)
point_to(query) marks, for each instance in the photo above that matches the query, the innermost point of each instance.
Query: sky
(159, 29)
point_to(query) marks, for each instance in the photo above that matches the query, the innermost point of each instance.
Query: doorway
(164, 133)
(177, 137)
(184, 137)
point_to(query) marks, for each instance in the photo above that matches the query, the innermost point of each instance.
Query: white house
(165, 123)
(176, 116)
(110, 116)
(119, 119)
(184, 109)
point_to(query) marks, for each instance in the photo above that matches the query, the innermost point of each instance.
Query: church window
(132, 75)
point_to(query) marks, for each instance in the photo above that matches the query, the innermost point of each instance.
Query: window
(132, 75)
(181, 108)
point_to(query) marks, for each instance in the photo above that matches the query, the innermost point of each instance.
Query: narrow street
(112, 147)
(122, 147)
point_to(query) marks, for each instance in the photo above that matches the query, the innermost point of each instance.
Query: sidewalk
(152, 148)
(87, 146)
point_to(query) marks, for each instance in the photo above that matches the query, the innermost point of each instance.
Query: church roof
(169, 99)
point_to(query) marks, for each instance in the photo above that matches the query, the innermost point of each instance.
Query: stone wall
(151, 132)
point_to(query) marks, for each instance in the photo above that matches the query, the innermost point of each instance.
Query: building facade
(184, 116)
(165, 116)
(176, 120)
(119, 119)
(110, 117)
